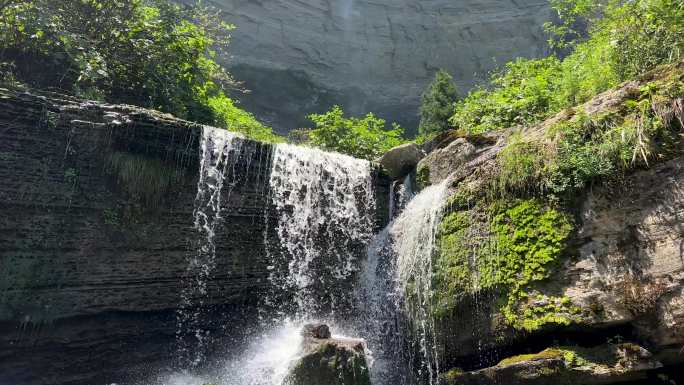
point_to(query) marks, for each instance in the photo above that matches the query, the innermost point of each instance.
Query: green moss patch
(509, 248)
(422, 176)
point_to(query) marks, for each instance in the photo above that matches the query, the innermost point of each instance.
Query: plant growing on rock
(625, 39)
(509, 250)
(364, 137)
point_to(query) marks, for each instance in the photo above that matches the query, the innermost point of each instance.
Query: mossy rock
(331, 362)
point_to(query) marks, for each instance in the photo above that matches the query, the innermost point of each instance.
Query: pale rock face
(636, 233)
(303, 56)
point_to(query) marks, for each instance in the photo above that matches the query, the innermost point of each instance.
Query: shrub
(364, 138)
(523, 93)
(618, 41)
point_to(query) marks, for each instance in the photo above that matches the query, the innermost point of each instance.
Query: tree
(151, 53)
(437, 104)
(364, 138)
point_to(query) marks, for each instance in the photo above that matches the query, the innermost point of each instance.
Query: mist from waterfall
(320, 218)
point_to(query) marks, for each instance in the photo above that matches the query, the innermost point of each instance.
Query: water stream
(325, 205)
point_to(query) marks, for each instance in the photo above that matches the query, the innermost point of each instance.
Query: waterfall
(397, 290)
(219, 152)
(325, 217)
(413, 234)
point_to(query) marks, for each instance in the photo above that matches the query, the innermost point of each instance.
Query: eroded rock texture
(92, 255)
(303, 56)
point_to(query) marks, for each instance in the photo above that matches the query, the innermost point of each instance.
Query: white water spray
(413, 234)
(325, 205)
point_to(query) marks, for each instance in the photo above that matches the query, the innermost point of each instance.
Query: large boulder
(329, 361)
(451, 152)
(622, 272)
(401, 160)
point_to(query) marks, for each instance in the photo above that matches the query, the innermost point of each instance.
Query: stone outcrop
(624, 268)
(401, 160)
(96, 228)
(302, 57)
(329, 360)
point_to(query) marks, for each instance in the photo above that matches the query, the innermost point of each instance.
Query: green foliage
(453, 274)
(364, 138)
(529, 240)
(581, 150)
(233, 118)
(151, 53)
(422, 176)
(522, 94)
(572, 14)
(625, 39)
(437, 104)
(521, 166)
(546, 354)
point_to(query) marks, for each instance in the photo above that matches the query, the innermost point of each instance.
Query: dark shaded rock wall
(93, 252)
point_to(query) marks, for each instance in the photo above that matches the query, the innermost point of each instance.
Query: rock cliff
(95, 233)
(303, 56)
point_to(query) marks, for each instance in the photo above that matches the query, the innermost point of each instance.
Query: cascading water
(400, 195)
(220, 150)
(413, 234)
(325, 205)
(397, 289)
(322, 213)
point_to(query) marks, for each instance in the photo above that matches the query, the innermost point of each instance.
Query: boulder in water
(329, 361)
(317, 331)
(601, 365)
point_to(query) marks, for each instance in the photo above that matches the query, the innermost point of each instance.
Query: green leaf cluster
(581, 150)
(364, 137)
(521, 94)
(151, 53)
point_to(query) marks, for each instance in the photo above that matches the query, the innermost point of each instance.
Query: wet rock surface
(92, 261)
(401, 160)
(624, 270)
